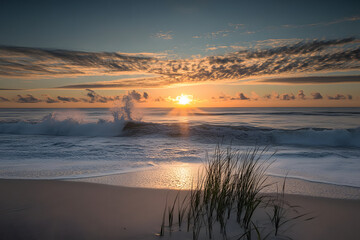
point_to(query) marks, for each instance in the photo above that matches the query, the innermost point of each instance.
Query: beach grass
(229, 190)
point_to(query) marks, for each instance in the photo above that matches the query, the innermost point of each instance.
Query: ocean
(315, 144)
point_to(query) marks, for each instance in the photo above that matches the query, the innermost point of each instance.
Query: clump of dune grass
(229, 190)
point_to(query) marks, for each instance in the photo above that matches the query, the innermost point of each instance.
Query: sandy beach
(43, 209)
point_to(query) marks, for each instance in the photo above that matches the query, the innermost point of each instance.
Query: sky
(219, 53)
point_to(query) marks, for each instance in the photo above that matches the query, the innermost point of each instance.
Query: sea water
(316, 144)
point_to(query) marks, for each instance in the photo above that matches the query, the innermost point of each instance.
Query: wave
(288, 113)
(54, 125)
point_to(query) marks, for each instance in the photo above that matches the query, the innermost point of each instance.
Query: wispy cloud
(3, 99)
(37, 62)
(226, 31)
(10, 89)
(314, 79)
(320, 24)
(164, 35)
(298, 59)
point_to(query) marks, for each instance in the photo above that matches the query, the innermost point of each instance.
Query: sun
(184, 99)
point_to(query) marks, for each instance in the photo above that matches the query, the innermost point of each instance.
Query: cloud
(10, 89)
(322, 24)
(340, 97)
(316, 95)
(164, 35)
(149, 82)
(238, 96)
(27, 99)
(314, 80)
(94, 97)
(273, 96)
(37, 62)
(287, 96)
(137, 96)
(91, 97)
(301, 95)
(68, 99)
(242, 96)
(49, 99)
(3, 99)
(299, 58)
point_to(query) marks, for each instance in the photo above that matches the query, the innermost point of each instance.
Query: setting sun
(184, 99)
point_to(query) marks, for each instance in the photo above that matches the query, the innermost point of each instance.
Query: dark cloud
(51, 100)
(287, 96)
(10, 89)
(91, 97)
(302, 57)
(135, 95)
(301, 95)
(316, 95)
(94, 97)
(243, 97)
(24, 61)
(3, 99)
(27, 99)
(149, 82)
(238, 96)
(314, 80)
(68, 99)
(340, 97)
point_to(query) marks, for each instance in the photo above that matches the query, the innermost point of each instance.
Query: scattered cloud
(68, 99)
(242, 96)
(287, 96)
(24, 62)
(322, 24)
(49, 99)
(3, 99)
(236, 25)
(296, 59)
(238, 96)
(274, 96)
(314, 79)
(316, 96)
(91, 97)
(340, 97)
(301, 95)
(27, 99)
(164, 35)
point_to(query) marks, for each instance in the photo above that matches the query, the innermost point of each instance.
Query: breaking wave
(122, 125)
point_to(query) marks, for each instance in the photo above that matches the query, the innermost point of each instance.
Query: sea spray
(125, 110)
(72, 123)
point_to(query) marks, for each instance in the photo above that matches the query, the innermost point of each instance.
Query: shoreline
(181, 175)
(53, 209)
